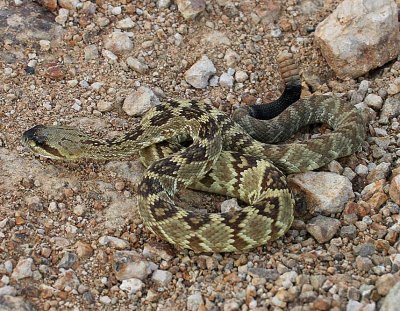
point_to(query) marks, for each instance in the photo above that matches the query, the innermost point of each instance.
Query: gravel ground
(70, 234)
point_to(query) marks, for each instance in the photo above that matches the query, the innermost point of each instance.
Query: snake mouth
(38, 144)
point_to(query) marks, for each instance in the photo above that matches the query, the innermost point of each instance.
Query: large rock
(359, 35)
(391, 302)
(323, 192)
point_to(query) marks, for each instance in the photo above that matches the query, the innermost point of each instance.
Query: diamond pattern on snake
(235, 156)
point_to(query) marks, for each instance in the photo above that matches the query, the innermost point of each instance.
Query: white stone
(359, 35)
(8, 71)
(44, 45)
(390, 109)
(215, 38)
(84, 84)
(276, 32)
(104, 106)
(214, 81)
(69, 4)
(88, 8)
(110, 55)
(125, 23)
(230, 205)
(96, 86)
(138, 102)
(277, 302)
(163, 4)
(3, 223)
(194, 301)
(76, 106)
(131, 285)
(32, 63)
(116, 10)
(23, 269)
(79, 209)
(7, 290)
(113, 242)
(226, 80)
(199, 74)
(287, 279)
(118, 42)
(353, 305)
(8, 265)
(161, 277)
(91, 52)
(335, 167)
(324, 192)
(231, 58)
(105, 300)
(129, 264)
(136, 65)
(178, 38)
(47, 105)
(72, 83)
(394, 190)
(394, 87)
(5, 279)
(102, 21)
(241, 76)
(231, 305)
(190, 8)
(349, 173)
(62, 16)
(374, 101)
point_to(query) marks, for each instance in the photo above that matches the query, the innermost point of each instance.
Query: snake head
(52, 142)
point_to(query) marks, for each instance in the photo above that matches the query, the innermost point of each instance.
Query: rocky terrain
(70, 234)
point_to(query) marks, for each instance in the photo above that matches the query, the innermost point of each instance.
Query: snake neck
(109, 149)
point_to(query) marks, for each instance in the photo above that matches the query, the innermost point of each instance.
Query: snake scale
(186, 143)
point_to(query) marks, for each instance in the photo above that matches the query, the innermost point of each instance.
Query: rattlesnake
(185, 143)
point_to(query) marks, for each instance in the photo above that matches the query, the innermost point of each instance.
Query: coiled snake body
(222, 158)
